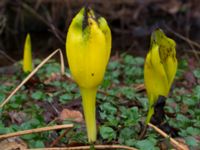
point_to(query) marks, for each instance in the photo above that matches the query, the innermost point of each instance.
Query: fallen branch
(88, 147)
(54, 30)
(20, 133)
(183, 38)
(175, 143)
(58, 138)
(190, 42)
(33, 72)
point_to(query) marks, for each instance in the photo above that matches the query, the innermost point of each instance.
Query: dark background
(131, 22)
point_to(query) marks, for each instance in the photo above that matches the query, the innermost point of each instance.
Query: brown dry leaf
(139, 87)
(13, 144)
(17, 117)
(71, 114)
(191, 80)
(184, 108)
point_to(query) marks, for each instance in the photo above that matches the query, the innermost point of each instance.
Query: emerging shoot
(27, 60)
(159, 68)
(88, 47)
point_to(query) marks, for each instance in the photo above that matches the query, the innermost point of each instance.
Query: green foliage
(38, 95)
(120, 108)
(191, 141)
(65, 97)
(182, 67)
(146, 144)
(127, 135)
(107, 133)
(196, 73)
(129, 117)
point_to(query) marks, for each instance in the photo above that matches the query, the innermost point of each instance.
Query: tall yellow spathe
(27, 60)
(159, 68)
(88, 47)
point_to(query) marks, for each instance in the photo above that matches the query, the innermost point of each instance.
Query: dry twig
(7, 56)
(190, 42)
(20, 133)
(88, 147)
(33, 72)
(183, 38)
(54, 30)
(175, 143)
(58, 138)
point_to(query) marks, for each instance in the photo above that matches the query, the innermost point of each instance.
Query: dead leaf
(71, 114)
(17, 117)
(197, 137)
(139, 87)
(13, 144)
(191, 80)
(184, 108)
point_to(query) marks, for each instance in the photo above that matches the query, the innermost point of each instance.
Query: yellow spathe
(159, 68)
(27, 60)
(88, 47)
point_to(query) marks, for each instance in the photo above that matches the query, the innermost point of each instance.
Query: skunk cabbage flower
(27, 60)
(159, 69)
(88, 47)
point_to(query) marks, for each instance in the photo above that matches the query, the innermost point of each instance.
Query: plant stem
(89, 107)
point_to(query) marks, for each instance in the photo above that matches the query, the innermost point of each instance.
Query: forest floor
(122, 105)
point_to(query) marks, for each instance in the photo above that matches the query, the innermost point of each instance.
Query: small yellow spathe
(27, 60)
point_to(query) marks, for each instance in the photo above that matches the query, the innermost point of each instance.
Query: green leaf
(38, 95)
(113, 65)
(28, 136)
(36, 144)
(183, 121)
(107, 133)
(130, 60)
(196, 91)
(129, 116)
(191, 141)
(193, 131)
(4, 130)
(65, 97)
(39, 144)
(128, 92)
(182, 67)
(2, 97)
(112, 120)
(196, 73)
(189, 101)
(130, 142)
(125, 135)
(146, 145)
(108, 108)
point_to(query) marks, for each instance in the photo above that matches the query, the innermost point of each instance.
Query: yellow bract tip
(27, 60)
